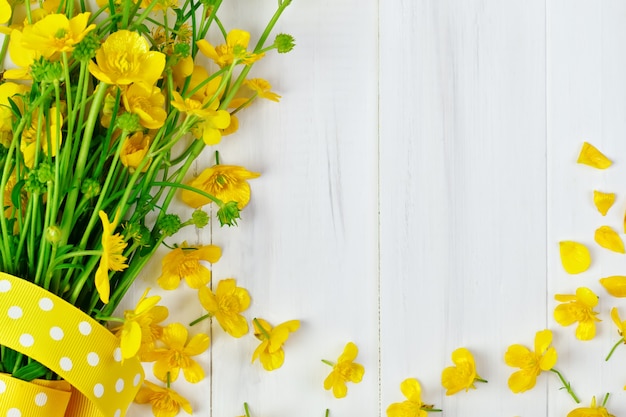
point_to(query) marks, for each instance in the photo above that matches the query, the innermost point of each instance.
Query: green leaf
(31, 371)
(16, 194)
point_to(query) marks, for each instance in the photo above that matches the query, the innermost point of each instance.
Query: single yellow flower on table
(226, 305)
(575, 257)
(184, 263)
(590, 155)
(345, 370)
(531, 364)
(413, 406)
(226, 182)
(168, 361)
(165, 401)
(608, 238)
(461, 376)
(578, 308)
(270, 352)
(125, 58)
(112, 259)
(592, 411)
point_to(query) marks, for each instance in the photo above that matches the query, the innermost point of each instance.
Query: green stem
(246, 410)
(431, 410)
(566, 385)
(606, 398)
(481, 380)
(329, 363)
(619, 342)
(261, 328)
(327, 413)
(199, 319)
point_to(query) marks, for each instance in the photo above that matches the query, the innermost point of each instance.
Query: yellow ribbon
(53, 332)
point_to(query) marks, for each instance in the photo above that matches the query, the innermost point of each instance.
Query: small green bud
(284, 43)
(87, 48)
(200, 218)
(46, 71)
(228, 214)
(169, 224)
(53, 234)
(129, 122)
(33, 185)
(138, 232)
(182, 50)
(45, 173)
(90, 188)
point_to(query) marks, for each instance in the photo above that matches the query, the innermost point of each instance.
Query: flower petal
(608, 238)
(603, 201)
(615, 285)
(349, 352)
(575, 257)
(522, 380)
(591, 156)
(518, 356)
(586, 329)
(543, 339)
(548, 360)
(412, 390)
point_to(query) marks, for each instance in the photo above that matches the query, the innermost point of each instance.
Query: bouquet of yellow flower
(101, 117)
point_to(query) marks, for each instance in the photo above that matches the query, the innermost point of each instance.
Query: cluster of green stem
(52, 235)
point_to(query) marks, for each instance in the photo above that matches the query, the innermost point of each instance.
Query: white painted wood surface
(416, 180)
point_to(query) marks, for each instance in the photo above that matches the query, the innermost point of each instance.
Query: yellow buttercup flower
(592, 411)
(56, 33)
(608, 238)
(235, 48)
(226, 305)
(603, 201)
(345, 370)
(141, 326)
(413, 406)
(168, 361)
(28, 144)
(184, 263)
(112, 258)
(165, 401)
(262, 89)
(147, 102)
(463, 375)
(13, 91)
(22, 57)
(193, 107)
(270, 352)
(531, 364)
(226, 182)
(590, 155)
(578, 308)
(134, 151)
(621, 328)
(575, 257)
(125, 58)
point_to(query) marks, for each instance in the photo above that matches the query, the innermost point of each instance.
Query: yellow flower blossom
(22, 57)
(592, 411)
(609, 239)
(9, 90)
(226, 182)
(531, 364)
(147, 102)
(621, 328)
(125, 58)
(575, 257)
(262, 89)
(210, 128)
(165, 401)
(192, 107)
(270, 352)
(112, 258)
(591, 156)
(226, 305)
(463, 375)
(28, 144)
(184, 263)
(134, 151)
(615, 285)
(141, 326)
(56, 33)
(177, 354)
(345, 370)
(578, 308)
(603, 201)
(413, 406)
(235, 48)
(181, 70)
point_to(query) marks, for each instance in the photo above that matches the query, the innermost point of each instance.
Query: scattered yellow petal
(609, 239)
(603, 201)
(591, 156)
(615, 285)
(575, 257)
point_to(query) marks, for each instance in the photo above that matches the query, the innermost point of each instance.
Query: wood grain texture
(417, 177)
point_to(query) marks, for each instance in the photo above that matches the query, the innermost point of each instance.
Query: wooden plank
(462, 191)
(586, 102)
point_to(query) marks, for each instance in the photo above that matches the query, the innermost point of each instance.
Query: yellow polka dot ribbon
(53, 332)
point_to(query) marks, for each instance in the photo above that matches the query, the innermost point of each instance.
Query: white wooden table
(417, 177)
